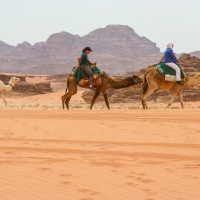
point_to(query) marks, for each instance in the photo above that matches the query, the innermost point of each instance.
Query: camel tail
(145, 85)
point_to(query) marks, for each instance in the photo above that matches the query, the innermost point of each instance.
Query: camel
(153, 81)
(8, 87)
(106, 82)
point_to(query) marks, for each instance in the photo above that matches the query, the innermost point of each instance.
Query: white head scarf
(170, 45)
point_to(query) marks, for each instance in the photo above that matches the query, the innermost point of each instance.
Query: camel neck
(117, 84)
(193, 81)
(8, 87)
(11, 85)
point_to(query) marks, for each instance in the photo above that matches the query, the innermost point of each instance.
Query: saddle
(82, 78)
(84, 82)
(168, 72)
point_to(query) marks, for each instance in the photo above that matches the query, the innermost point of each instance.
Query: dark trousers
(88, 71)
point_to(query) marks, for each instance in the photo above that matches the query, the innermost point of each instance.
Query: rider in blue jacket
(171, 60)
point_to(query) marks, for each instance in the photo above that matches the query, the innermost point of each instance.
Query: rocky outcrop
(31, 88)
(116, 48)
(196, 53)
(191, 64)
(27, 88)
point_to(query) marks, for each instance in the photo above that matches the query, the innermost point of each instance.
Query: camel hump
(150, 69)
(104, 74)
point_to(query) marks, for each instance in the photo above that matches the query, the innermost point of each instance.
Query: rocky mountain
(116, 49)
(5, 48)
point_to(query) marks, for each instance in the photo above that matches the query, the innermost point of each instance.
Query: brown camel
(153, 81)
(105, 82)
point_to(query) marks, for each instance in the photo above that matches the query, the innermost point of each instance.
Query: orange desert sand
(123, 154)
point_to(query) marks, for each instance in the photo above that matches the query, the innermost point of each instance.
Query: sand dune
(54, 154)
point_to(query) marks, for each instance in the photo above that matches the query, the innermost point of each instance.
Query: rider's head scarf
(170, 45)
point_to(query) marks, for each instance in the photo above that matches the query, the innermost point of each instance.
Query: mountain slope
(116, 49)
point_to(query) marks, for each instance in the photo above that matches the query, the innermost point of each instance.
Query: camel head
(190, 82)
(137, 79)
(14, 80)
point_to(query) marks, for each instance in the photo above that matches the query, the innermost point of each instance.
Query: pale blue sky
(158, 20)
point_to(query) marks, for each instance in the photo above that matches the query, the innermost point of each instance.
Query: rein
(135, 81)
(10, 85)
(150, 79)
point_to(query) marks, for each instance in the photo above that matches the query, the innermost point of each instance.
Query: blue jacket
(169, 56)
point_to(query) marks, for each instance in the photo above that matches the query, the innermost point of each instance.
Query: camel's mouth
(139, 81)
(139, 84)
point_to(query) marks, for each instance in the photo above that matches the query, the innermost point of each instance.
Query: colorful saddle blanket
(83, 79)
(84, 82)
(165, 69)
(80, 74)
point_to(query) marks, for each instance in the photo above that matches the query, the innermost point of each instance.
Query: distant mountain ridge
(116, 49)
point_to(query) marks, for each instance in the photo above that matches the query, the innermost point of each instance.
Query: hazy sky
(158, 20)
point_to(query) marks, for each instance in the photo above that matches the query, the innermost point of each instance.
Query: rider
(84, 64)
(170, 60)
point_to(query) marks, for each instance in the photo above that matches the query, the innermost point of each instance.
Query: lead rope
(150, 79)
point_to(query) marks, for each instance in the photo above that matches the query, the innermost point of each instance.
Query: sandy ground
(47, 153)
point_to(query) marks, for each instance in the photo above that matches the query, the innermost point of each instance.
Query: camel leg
(144, 104)
(67, 102)
(105, 95)
(181, 99)
(66, 98)
(98, 91)
(1, 96)
(144, 96)
(149, 87)
(70, 90)
(172, 99)
(63, 99)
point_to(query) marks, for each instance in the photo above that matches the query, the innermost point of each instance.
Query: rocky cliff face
(116, 48)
